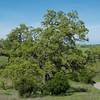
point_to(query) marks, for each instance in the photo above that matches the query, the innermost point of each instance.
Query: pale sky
(30, 12)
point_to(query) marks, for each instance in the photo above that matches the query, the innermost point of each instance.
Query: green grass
(75, 96)
(79, 96)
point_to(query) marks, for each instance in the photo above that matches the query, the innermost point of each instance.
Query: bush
(26, 87)
(88, 77)
(59, 84)
(85, 76)
(2, 85)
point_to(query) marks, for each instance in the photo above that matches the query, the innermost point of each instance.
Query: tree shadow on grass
(69, 92)
(73, 90)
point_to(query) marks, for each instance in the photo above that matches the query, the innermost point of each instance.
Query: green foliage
(3, 61)
(85, 76)
(26, 86)
(59, 84)
(36, 56)
(2, 84)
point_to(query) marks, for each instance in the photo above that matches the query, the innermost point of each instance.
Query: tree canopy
(40, 53)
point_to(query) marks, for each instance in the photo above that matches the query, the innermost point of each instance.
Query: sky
(30, 12)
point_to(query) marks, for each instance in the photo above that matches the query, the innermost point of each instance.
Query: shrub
(2, 84)
(86, 76)
(59, 84)
(26, 87)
